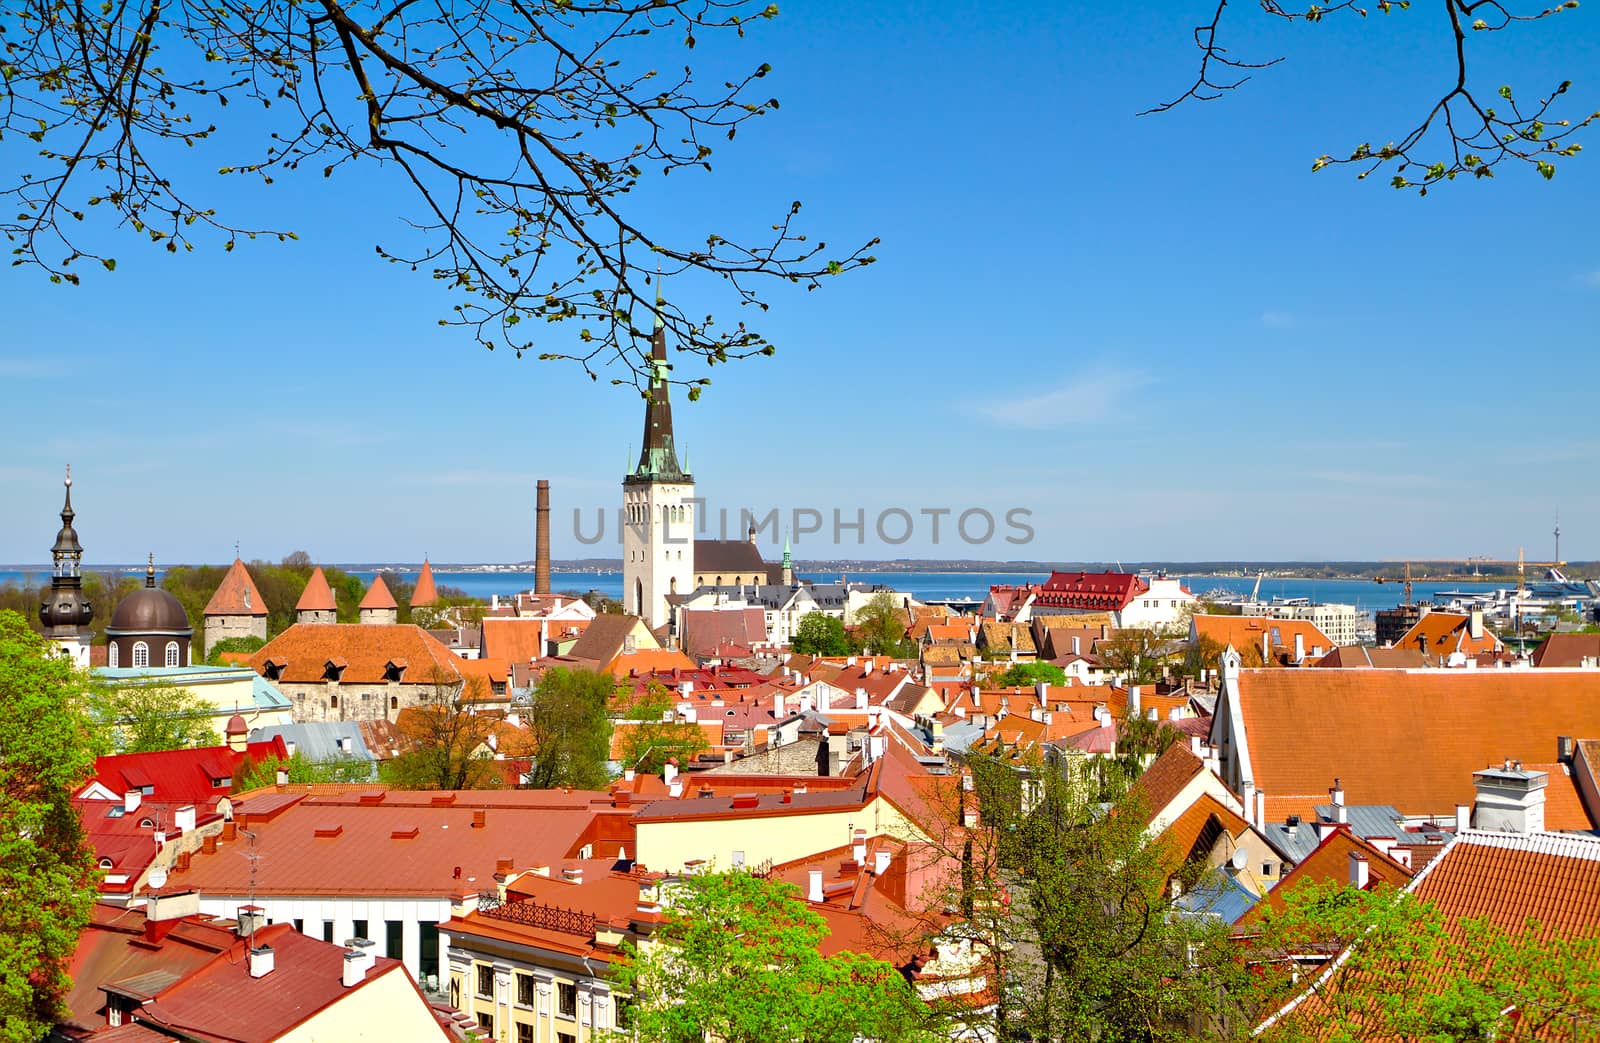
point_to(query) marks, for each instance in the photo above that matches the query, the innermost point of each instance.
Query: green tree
(1409, 972)
(447, 745)
(1137, 654)
(820, 634)
(881, 622)
(570, 729)
(737, 961)
(253, 774)
(233, 645)
(650, 739)
(1029, 674)
(146, 718)
(47, 871)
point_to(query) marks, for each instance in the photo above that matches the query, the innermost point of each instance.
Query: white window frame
(172, 653)
(141, 651)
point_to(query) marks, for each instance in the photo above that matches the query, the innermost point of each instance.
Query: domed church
(149, 628)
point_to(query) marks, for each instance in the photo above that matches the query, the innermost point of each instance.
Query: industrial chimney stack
(541, 551)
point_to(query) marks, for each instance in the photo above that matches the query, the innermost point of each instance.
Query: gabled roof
(1253, 632)
(302, 653)
(1167, 777)
(378, 596)
(1361, 657)
(606, 636)
(425, 593)
(1410, 738)
(1329, 863)
(704, 631)
(729, 557)
(1510, 878)
(237, 595)
(1567, 650)
(1440, 634)
(194, 979)
(1089, 591)
(178, 775)
(318, 596)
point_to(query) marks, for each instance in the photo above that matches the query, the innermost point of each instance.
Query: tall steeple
(658, 456)
(658, 508)
(65, 611)
(788, 565)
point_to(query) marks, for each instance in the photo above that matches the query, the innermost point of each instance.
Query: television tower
(1558, 539)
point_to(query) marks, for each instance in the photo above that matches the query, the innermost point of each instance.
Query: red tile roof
(237, 595)
(378, 595)
(1089, 591)
(1511, 878)
(425, 593)
(318, 596)
(195, 979)
(422, 840)
(1167, 777)
(1407, 738)
(179, 776)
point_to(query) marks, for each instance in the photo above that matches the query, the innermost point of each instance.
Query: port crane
(1477, 561)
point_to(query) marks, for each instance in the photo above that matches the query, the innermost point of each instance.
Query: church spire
(658, 458)
(65, 612)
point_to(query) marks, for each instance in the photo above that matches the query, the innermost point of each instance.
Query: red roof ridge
(318, 596)
(378, 595)
(236, 595)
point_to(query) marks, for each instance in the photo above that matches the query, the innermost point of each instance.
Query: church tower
(657, 512)
(65, 611)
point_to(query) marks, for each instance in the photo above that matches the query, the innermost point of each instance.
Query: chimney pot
(261, 961)
(1359, 870)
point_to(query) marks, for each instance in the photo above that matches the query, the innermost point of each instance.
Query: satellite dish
(158, 878)
(1241, 857)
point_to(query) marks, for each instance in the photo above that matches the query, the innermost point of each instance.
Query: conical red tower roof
(237, 596)
(318, 596)
(378, 595)
(426, 593)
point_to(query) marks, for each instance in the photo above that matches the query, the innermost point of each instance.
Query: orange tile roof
(1441, 633)
(1510, 878)
(1193, 833)
(425, 593)
(1407, 738)
(648, 659)
(1166, 777)
(1566, 650)
(236, 595)
(1330, 864)
(1563, 805)
(367, 649)
(1247, 632)
(378, 595)
(318, 596)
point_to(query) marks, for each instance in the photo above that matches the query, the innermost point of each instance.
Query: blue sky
(1164, 337)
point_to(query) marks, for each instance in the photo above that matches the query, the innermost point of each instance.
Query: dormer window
(147, 823)
(333, 669)
(394, 670)
(105, 863)
(274, 667)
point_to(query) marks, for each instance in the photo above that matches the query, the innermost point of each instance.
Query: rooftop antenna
(253, 856)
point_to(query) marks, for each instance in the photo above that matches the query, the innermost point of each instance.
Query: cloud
(1095, 396)
(1277, 320)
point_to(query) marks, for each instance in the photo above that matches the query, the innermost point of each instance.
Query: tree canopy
(554, 113)
(569, 726)
(448, 746)
(737, 960)
(1029, 674)
(820, 634)
(47, 869)
(881, 622)
(146, 718)
(649, 740)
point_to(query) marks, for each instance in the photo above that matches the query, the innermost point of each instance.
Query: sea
(924, 586)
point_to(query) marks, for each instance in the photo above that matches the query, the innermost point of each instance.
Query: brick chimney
(541, 539)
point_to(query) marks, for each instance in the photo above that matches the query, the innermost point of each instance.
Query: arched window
(719, 581)
(638, 597)
(111, 660)
(105, 863)
(172, 653)
(141, 654)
